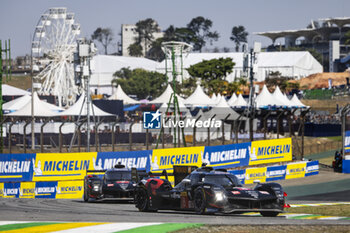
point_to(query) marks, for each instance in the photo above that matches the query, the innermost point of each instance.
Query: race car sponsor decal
(276, 173)
(264, 192)
(130, 159)
(295, 170)
(235, 192)
(312, 168)
(63, 166)
(166, 158)
(16, 167)
(252, 174)
(227, 156)
(271, 151)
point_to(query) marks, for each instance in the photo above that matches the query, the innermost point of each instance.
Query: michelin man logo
(58, 190)
(151, 120)
(252, 153)
(97, 166)
(154, 165)
(37, 170)
(205, 158)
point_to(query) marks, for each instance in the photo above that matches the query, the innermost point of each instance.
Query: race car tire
(199, 201)
(142, 200)
(269, 213)
(85, 196)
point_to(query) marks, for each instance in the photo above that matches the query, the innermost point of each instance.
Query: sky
(18, 18)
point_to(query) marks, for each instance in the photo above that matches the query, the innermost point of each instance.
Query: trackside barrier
(272, 173)
(74, 189)
(73, 166)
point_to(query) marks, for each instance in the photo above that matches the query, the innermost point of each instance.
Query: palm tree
(238, 35)
(145, 29)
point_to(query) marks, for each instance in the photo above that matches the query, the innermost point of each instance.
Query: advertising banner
(139, 159)
(312, 168)
(347, 142)
(166, 158)
(295, 170)
(276, 173)
(252, 174)
(16, 167)
(63, 166)
(70, 189)
(227, 156)
(27, 190)
(271, 151)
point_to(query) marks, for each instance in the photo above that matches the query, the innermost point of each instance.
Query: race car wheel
(142, 200)
(269, 213)
(85, 196)
(199, 201)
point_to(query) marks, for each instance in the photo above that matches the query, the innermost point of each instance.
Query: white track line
(108, 227)
(12, 222)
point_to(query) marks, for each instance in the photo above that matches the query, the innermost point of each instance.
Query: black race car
(112, 183)
(208, 191)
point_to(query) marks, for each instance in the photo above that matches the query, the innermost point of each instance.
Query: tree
(135, 50)
(347, 37)
(238, 35)
(212, 69)
(104, 36)
(201, 30)
(145, 29)
(140, 82)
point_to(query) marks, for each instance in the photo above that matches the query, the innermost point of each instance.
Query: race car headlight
(96, 188)
(219, 196)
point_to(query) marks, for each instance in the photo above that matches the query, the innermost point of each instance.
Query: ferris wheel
(53, 46)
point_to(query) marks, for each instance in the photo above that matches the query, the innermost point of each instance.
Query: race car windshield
(118, 175)
(222, 179)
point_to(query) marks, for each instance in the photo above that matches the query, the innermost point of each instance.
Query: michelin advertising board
(73, 166)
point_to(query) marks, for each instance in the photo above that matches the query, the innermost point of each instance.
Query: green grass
(335, 138)
(330, 210)
(163, 228)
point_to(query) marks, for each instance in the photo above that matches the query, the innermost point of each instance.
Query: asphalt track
(117, 211)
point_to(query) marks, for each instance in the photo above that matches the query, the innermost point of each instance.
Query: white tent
(16, 104)
(75, 109)
(277, 94)
(218, 99)
(41, 109)
(120, 95)
(8, 90)
(265, 99)
(239, 103)
(182, 106)
(165, 96)
(295, 64)
(105, 66)
(199, 98)
(296, 102)
(221, 111)
(232, 99)
(213, 97)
